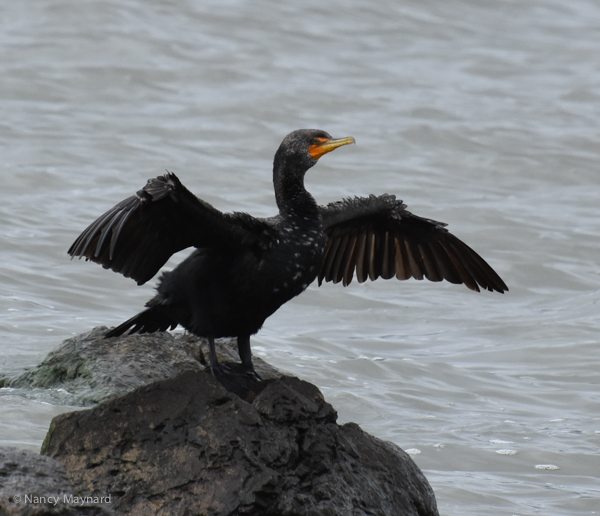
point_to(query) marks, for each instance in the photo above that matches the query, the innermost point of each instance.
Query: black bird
(244, 268)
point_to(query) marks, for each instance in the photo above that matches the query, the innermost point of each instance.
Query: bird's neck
(291, 196)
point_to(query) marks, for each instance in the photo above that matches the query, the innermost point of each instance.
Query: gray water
(483, 114)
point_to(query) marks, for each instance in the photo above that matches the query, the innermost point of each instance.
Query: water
(481, 114)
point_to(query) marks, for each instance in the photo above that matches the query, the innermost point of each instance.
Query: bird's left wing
(137, 236)
(377, 237)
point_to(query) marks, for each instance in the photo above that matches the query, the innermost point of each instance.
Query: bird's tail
(148, 321)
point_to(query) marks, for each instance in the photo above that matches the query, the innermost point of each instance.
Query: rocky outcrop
(89, 369)
(189, 445)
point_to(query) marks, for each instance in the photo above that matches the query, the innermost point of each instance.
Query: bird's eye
(319, 140)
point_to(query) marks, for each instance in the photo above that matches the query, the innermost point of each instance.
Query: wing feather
(350, 261)
(432, 272)
(370, 255)
(339, 255)
(332, 250)
(402, 268)
(414, 259)
(361, 249)
(444, 264)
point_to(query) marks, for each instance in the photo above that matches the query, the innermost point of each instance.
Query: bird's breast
(296, 259)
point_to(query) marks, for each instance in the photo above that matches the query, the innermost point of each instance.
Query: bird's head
(301, 149)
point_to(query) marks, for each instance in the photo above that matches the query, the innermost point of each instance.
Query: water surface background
(483, 114)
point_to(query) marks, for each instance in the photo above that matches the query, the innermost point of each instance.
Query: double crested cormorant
(244, 268)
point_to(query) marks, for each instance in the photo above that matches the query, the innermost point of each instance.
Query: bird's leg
(215, 367)
(246, 356)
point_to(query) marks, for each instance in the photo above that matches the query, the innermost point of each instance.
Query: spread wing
(137, 236)
(377, 237)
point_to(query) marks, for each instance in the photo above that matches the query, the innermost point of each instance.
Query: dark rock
(89, 369)
(35, 485)
(188, 446)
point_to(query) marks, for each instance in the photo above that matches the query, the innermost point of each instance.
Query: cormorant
(244, 268)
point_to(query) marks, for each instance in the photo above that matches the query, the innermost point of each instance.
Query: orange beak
(324, 146)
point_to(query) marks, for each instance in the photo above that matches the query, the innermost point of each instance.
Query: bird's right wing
(137, 236)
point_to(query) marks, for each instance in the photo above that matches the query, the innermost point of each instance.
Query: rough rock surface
(188, 446)
(35, 485)
(90, 369)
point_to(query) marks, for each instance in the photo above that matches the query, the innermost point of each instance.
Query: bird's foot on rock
(235, 378)
(252, 374)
